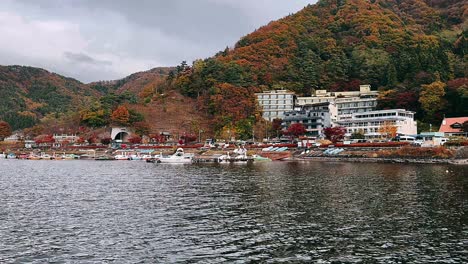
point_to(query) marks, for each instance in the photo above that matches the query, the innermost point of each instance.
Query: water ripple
(134, 212)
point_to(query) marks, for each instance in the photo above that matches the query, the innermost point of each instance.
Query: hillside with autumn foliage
(141, 82)
(29, 94)
(34, 97)
(413, 51)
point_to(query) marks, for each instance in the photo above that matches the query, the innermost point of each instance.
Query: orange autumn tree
(388, 130)
(232, 103)
(120, 116)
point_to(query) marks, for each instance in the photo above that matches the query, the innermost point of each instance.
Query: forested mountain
(28, 94)
(399, 47)
(134, 83)
(413, 51)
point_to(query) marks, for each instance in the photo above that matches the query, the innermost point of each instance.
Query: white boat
(70, 157)
(224, 158)
(178, 157)
(241, 157)
(46, 156)
(135, 157)
(260, 158)
(121, 157)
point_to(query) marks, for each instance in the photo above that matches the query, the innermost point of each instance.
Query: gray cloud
(109, 39)
(83, 58)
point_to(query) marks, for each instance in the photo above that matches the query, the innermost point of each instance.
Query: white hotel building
(347, 103)
(355, 110)
(370, 122)
(274, 103)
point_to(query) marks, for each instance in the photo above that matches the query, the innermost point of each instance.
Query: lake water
(310, 212)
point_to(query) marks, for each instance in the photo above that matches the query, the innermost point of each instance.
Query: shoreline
(383, 160)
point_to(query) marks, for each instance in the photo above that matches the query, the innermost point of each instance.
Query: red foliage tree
(233, 102)
(334, 134)
(296, 130)
(5, 130)
(106, 140)
(44, 139)
(188, 138)
(276, 125)
(141, 128)
(92, 139)
(157, 138)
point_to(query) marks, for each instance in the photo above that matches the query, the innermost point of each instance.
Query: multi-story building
(348, 106)
(314, 117)
(370, 122)
(275, 103)
(347, 103)
(71, 138)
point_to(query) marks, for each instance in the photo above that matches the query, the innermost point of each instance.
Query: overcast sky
(94, 40)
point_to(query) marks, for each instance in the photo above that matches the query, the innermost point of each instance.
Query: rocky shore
(457, 156)
(384, 160)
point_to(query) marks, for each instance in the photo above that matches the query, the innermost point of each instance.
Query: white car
(418, 142)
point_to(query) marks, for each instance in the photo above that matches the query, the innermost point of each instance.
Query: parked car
(404, 139)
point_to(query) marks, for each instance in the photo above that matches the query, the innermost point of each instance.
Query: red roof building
(454, 126)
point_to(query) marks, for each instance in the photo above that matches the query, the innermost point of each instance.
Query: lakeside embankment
(401, 154)
(407, 154)
(385, 160)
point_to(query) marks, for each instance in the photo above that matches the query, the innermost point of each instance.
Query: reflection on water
(86, 211)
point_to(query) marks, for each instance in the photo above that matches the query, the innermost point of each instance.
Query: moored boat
(70, 157)
(135, 157)
(45, 156)
(178, 157)
(33, 156)
(236, 158)
(257, 157)
(153, 160)
(104, 157)
(23, 156)
(11, 156)
(87, 157)
(121, 157)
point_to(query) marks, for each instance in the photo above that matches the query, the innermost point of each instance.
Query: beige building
(275, 103)
(347, 103)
